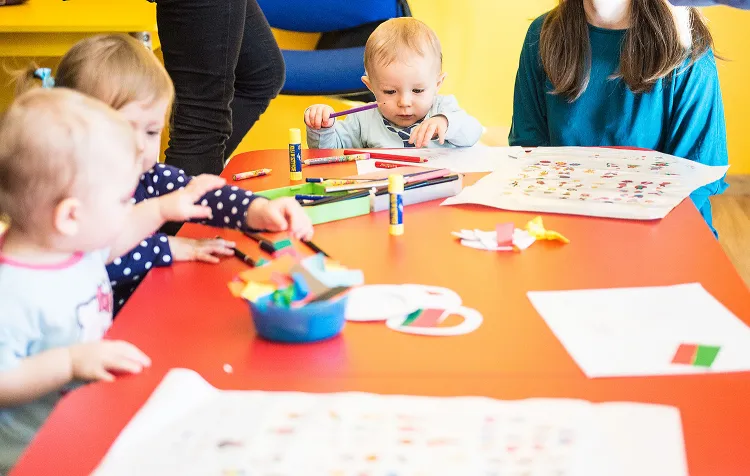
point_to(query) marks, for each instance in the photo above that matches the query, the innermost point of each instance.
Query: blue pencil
(310, 197)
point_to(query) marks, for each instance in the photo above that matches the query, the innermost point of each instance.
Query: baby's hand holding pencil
(318, 116)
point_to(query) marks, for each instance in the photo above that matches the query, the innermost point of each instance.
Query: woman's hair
(651, 48)
(116, 69)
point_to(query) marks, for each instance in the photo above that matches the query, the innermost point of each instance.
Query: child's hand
(280, 215)
(185, 249)
(427, 130)
(181, 205)
(95, 360)
(319, 115)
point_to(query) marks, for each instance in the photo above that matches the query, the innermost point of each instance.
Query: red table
(184, 316)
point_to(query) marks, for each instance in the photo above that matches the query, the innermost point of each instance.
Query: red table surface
(184, 316)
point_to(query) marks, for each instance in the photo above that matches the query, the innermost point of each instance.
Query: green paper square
(281, 244)
(706, 355)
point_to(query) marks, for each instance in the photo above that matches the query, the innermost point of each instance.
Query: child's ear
(66, 216)
(367, 82)
(440, 79)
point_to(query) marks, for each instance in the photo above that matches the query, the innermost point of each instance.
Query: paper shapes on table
(536, 229)
(637, 332)
(695, 354)
(413, 309)
(188, 427)
(293, 283)
(506, 237)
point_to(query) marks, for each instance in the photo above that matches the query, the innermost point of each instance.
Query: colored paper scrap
(316, 265)
(536, 229)
(504, 233)
(281, 244)
(685, 354)
(696, 355)
(255, 290)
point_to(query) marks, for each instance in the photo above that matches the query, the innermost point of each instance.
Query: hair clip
(45, 74)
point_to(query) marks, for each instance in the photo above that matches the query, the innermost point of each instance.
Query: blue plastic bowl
(311, 323)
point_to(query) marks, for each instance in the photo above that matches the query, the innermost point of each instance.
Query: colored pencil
(385, 155)
(355, 110)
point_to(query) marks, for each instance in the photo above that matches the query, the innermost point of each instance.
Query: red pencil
(388, 165)
(384, 155)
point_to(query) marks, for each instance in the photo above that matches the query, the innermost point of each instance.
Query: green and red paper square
(697, 355)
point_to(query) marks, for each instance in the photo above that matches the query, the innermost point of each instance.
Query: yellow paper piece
(536, 229)
(236, 287)
(254, 291)
(281, 265)
(331, 265)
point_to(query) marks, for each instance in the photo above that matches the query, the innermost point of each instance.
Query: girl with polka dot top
(118, 70)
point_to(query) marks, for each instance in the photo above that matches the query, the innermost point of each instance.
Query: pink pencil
(356, 109)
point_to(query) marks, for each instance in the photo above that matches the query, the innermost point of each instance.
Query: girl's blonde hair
(116, 69)
(651, 49)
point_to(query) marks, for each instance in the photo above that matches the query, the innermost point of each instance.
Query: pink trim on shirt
(73, 260)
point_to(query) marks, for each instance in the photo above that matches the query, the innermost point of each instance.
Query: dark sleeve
(529, 126)
(130, 268)
(229, 204)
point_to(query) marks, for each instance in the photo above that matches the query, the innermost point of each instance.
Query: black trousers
(226, 67)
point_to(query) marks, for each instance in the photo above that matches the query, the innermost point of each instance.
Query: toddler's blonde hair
(49, 151)
(399, 37)
(116, 69)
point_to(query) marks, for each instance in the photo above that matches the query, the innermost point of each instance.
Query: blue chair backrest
(320, 16)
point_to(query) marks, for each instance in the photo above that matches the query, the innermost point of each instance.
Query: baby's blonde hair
(399, 37)
(116, 69)
(49, 152)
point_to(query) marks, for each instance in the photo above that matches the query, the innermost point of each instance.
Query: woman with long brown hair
(637, 73)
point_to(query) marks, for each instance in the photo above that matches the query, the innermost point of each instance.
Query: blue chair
(327, 72)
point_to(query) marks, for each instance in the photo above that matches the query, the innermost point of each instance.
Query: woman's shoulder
(535, 29)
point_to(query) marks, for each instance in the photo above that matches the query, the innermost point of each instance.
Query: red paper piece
(505, 234)
(685, 354)
(428, 318)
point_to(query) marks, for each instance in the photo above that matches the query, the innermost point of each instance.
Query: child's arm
(25, 377)
(153, 251)
(463, 130)
(150, 214)
(529, 127)
(326, 133)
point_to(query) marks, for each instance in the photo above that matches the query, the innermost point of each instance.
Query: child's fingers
(206, 257)
(307, 118)
(319, 118)
(203, 184)
(124, 364)
(133, 353)
(441, 134)
(416, 135)
(327, 121)
(428, 135)
(275, 219)
(199, 211)
(102, 374)
(216, 248)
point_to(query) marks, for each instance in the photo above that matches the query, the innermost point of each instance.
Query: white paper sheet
(463, 160)
(243, 433)
(598, 182)
(633, 332)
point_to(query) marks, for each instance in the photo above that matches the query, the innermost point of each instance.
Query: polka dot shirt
(229, 205)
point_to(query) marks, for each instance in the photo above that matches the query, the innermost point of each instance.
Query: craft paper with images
(591, 181)
(189, 428)
(634, 332)
(459, 160)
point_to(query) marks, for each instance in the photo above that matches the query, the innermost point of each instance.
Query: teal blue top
(682, 115)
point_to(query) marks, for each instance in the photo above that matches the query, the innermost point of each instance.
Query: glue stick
(295, 154)
(396, 189)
